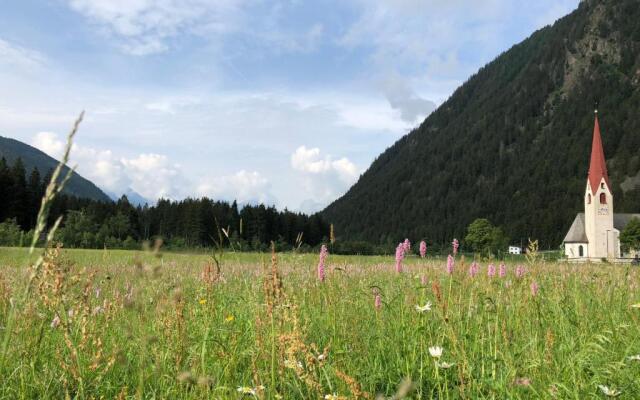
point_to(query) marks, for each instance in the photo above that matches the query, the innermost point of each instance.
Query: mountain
(133, 197)
(512, 144)
(78, 186)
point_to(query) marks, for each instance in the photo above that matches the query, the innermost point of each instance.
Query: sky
(284, 102)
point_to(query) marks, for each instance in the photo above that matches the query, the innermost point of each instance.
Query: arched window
(581, 251)
(588, 199)
(603, 198)
(602, 185)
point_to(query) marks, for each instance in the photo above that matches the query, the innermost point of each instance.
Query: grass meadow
(125, 324)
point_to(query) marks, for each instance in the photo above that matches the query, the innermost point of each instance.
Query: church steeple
(598, 165)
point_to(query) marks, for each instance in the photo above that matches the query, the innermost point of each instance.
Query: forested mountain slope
(11, 150)
(512, 144)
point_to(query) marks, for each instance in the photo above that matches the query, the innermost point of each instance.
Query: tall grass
(142, 328)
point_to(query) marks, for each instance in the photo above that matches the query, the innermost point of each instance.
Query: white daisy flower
(426, 307)
(333, 396)
(610, 392)
(637, 305)
(435, 351)
(445, 365)
(634, 358)
(246, 390)
(292, 364)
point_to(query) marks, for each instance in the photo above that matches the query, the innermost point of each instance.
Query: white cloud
(243, 186)
(154, 176)
(145, 27)
(151, 175)
(18, 57)
(324, 178)
(402, 98)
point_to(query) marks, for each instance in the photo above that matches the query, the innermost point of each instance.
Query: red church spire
(598, 166)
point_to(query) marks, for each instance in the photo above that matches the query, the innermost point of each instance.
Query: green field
(139, 325)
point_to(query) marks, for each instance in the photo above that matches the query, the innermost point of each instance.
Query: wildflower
(323, 256)
(445, 365)
(435, 351)
(455, 245)
(423, 280)
(522, 382)
(202, 301)
(503, 270)
(426, 307)
(377, 302)
(98, 292)
(637, 305)
(399, 257)
(491, 271)
(330, 396)
(55, 322)
(321, 357)
(187, 378)
(423, 249)
(473, 269)
(450, 264)
(292, 364)
(97, 310)
(229, 318)
(246, 390)
(406, 246)
(609, 392)
(634, 358)
(534, 288)
(520, 271)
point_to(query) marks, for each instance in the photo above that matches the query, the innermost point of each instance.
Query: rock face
(512, 144)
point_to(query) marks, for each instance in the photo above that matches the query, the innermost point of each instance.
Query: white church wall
(572, 250)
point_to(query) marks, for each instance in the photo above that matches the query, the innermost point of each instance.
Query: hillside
(512, 144)
(77, 186)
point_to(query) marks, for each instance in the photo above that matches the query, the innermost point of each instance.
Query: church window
(581, 251)
(602, 185)
(588, 199)
(603, 198)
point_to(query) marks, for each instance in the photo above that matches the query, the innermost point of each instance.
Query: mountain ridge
(12, 149)
(512, 143)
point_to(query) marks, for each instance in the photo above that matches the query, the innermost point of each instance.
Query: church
(595, 234)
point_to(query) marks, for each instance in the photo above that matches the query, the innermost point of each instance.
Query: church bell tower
(598, 204)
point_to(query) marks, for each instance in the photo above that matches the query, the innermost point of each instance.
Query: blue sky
(282, 101)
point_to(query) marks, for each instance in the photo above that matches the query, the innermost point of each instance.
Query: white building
(595, 234)
(515, 250)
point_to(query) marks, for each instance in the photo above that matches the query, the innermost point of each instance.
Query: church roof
(577, 233)
(598, 165)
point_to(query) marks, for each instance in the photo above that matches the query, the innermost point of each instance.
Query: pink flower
(399, 257)
(55, 322)
(406, 246)
(520, 271)
(450, 264)
(423, 249)
(491, 271)
(473, 269)
(503, 270)
(455, 245)
(377, 303)
(323, 256)
(534, 288)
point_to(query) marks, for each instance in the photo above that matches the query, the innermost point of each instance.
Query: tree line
(188, 223)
